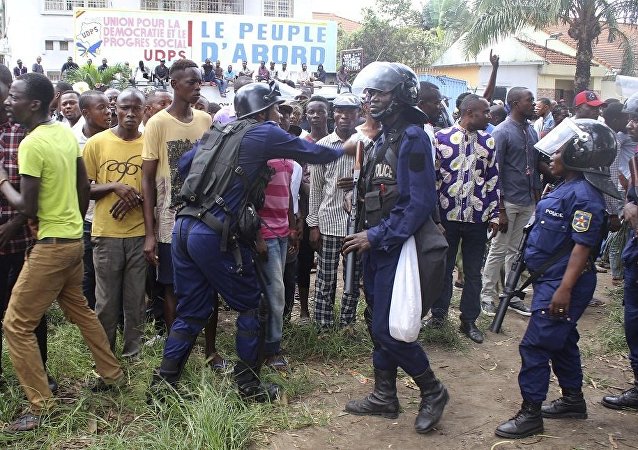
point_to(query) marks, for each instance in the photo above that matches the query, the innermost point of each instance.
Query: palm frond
(95, 79)
(497, 19)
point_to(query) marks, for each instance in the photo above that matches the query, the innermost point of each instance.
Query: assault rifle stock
(349, 286)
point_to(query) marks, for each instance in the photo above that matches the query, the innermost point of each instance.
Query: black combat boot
(624, 400)
(526, 422)
(383, 401)
(159, 388)
(570, 406)
(251, 388)
(434, 397)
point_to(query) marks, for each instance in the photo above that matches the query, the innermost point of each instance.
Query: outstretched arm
(491, 84)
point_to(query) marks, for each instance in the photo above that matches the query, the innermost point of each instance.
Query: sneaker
(488, 309)
(153, 340)
(520, 308)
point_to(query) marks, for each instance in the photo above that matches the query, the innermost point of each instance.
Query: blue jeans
(472, 237)
(221, 85)
(275, 292)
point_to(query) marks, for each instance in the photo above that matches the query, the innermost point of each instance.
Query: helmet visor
(378, 75)
(556, 139)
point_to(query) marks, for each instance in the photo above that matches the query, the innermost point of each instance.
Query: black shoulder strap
(533, 276)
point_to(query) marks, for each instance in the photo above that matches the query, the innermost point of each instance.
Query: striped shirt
(274, 214)
(326, 199)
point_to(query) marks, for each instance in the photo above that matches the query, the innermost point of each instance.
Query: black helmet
(594, 155)
(256, 97)
(396, 78)
(631, 105)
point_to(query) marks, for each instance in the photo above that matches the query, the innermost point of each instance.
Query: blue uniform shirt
(417, 192)
(575, 211)
(261, 143)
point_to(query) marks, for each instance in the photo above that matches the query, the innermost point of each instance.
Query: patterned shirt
(10, 138)
(467, 175)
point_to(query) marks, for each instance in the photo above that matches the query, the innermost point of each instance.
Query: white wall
(510, 76)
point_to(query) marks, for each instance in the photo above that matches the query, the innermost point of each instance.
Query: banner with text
(150, 36)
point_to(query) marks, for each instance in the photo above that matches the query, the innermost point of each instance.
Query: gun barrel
(497, 322)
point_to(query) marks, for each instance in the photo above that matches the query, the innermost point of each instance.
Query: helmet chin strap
(391, 109)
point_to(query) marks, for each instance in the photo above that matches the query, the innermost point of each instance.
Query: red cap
(589, 97)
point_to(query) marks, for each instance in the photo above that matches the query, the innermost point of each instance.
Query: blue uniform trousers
(630, 300)
(378, 277)
(549, 338)
(201, 268)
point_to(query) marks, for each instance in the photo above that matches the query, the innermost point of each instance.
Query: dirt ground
(482, 382)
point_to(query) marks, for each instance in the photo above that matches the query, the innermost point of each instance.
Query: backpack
(214, 166)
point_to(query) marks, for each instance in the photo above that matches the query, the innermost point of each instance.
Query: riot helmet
(396, 78)
(587, 146)
(256, 97)
(631, 105)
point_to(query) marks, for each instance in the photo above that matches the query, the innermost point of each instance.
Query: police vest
(380, 180)
(380, 196)
(214, 166)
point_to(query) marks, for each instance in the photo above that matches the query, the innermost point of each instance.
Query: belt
(54, 240)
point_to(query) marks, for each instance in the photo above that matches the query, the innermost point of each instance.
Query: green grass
(610, 335)
(206, 411)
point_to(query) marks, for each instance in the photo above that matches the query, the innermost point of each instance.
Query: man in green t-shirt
(54, 195)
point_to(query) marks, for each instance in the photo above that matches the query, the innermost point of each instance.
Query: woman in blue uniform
(569, 221)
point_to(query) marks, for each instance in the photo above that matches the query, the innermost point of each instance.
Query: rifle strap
(565, 249)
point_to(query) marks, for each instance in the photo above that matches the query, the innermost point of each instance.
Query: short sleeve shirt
(50, 152)
(110, 159)
(574, 211)
(166, 139)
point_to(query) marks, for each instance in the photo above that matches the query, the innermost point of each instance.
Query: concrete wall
(509, 76)
(467, 73)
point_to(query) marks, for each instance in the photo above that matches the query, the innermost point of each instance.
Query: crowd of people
(116, 203)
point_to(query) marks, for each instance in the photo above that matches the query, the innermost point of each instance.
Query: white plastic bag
(405, 306)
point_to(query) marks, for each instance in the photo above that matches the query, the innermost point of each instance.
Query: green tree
(388, 39)
(587, 20)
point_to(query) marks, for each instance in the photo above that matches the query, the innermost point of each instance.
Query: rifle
(349, 286)
(514, 275)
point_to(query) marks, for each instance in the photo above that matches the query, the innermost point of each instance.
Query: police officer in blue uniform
(570, 222)
(629, 398)
(204, 268)
(400, 195)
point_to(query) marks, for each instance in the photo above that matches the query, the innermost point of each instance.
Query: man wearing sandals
(54, 194)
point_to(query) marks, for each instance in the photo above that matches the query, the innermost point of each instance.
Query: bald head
(131, 92)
